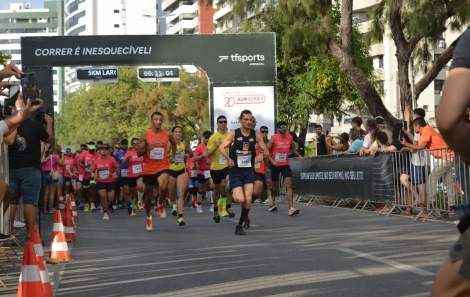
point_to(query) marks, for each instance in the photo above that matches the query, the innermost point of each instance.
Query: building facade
(22, 20)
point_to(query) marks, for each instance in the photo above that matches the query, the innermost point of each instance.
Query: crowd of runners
(159, 168)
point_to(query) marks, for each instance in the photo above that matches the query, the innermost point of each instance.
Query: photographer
(453, 278)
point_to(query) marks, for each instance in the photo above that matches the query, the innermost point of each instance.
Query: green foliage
(110, 112)
(4, 58)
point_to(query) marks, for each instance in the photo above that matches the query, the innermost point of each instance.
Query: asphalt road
(320, 252)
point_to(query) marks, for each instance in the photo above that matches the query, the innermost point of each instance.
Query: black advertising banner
(226, 58)
(350, 176)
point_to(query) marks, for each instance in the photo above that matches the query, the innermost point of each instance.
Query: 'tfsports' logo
(243, 58)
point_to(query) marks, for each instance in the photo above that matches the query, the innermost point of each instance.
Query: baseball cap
(345, 136)
(91, 147)
(281, 123)
(207, 133)
(124, 141)
(380, 120)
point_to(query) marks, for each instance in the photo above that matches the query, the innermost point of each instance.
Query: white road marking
(388, 262)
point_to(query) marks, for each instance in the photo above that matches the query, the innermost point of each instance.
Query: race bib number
(67, 167)
(280, 157)
(193, 173)
(222, 160)
(80, 177)
(104, 174)
(137, 169)
(244, 161)
(179, 158)
(157, 154)
(207, 174)
(258, 165)
(123, 172)
(88, 169)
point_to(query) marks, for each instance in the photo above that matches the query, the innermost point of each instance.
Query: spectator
(356, 142)
(382, 127)
(342, 146)
(356, 123)
(48, 161)
(321, 141)
(25, 169)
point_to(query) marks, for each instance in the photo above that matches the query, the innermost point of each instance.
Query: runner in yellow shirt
(219, 167)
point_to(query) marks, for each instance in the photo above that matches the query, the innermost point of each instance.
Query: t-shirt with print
(356, 145)
(68, 165)
(201, 164)
(118, 156)
(88, 159)
(434, 141)
(321, 146)
(104, 169)
(218, 161)
(135, 164)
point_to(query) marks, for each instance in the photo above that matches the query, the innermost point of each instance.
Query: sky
(5, 4)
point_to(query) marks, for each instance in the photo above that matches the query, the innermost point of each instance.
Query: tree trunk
(303, 133)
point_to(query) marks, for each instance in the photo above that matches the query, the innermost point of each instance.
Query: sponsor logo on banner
(253, 60)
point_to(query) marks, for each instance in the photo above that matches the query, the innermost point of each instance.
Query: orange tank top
(259, 167)
(156, 160)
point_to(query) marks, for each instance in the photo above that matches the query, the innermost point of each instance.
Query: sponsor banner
(347, 176)
(231, 101)
(225, 58)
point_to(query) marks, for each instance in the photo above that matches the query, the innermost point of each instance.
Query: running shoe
(174, 212)
(199, 209)
(115, 206)
(293, 211)
(105, 216)
(161, 208)
(155, 211)
(140, 206)
(18, 224)
(109, 211)
(81, 206)
(129, 210)
(86, 208)
(246, 224)
(181, 222)
(133, 213)
(148, 226)
(239, 230)
(216, 218)
(212, 208)
(170, 203)
(273, 208)
(123, 205)
(93, 208)
(258, 201)
(265, 202)
(231, 214)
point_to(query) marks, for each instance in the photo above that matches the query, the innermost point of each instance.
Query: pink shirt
(201, 164)
(135, 168)
(280, 150)
(104, 169)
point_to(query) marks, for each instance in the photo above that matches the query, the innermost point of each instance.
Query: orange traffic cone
(74, 208)
(44, 274)
(61, 204)
(59, 252)
(68, 224)
(30, 279)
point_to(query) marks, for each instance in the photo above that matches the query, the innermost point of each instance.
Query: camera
(40, 115)
(462, 212)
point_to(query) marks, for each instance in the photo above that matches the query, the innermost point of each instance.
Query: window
(55, 103)
(381, 86)
(116, 11)
(22, 20)
(52, 20)
(381, 61)
(311, 128)
(52, 30)
(55, 92)
(54, 82)
(116, 25)
(438, 83)
(426, 107)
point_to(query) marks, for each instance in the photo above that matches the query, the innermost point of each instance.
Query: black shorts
(132, 181)
(201, 179)
(175, 174)
(85, 182)
(284, 170)
(67, 179)
(219, 175)
(152, 179)
(109, 187)
(121, 181)
(238, 178)
(259, 176)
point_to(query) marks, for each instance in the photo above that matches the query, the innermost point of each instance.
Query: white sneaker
(105, 216)
(212, 208)
(18, 224)
(199, 209)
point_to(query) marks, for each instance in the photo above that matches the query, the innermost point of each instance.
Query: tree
(4, 58)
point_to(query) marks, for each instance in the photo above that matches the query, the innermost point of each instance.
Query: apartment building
(22, 20)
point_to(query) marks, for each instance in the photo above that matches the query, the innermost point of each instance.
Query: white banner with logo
(231, 101)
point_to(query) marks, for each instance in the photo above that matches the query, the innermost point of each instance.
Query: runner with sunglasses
(134, 186)
(178, 176)
(105, 171)
(279, 146)
(154, 148)
(219, 170)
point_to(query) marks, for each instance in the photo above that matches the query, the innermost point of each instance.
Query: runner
(267, 178)
(178, 177)
(79, 176)
(154, 147)
(193, 184)
(123, 200)
(87, 158)
(134, 186)
(241, 162)
(69, 170)
(279, 146)
(105, 170)
(219, 169)
(203, 169)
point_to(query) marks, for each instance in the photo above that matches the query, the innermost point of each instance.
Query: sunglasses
(136, 143)
(125, 143)
(117, 148)
(264, 131)
(222, 122)
(282, 127)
